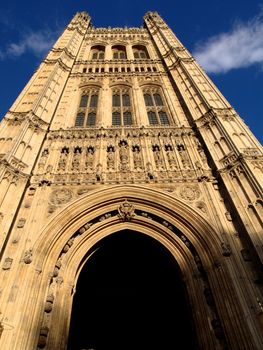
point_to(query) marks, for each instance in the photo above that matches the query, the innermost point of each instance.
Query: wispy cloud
(38, 43)
(239, 48)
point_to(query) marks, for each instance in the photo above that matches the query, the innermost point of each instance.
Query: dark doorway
(130, 296)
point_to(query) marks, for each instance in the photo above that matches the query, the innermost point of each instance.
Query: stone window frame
(140, 52)
(156, 106)
(119, 52)
(122, 106)
(87, 108)
(97, 52)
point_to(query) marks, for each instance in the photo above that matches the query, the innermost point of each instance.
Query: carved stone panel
(60, 196)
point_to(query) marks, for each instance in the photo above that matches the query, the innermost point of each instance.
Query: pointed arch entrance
(67, 243)
(130, 295)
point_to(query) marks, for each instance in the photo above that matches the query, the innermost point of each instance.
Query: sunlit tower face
(130, 200)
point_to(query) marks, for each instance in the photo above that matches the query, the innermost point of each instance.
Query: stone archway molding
(67, 241)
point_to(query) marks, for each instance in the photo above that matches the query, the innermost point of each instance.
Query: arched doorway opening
(130, 295)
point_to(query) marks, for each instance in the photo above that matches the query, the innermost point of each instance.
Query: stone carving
(228, 216)
(31, 191)
(157, 156)
(7, 264)
(137, 158)
(52, 209)
(43, 159)
(63, 159)
(104, 217)
(146, 215)
(203, 158)
(124, 156)
(99, 174)
(89, 157)
(257, 165)
(246, 255)
(17, 164)
(185, 240)
(184, 158)
(57, 267)
(240, 169)
(42, 340)
(60, 196)
(82, 191)
(9, 177)
(76, 159)
(21, 223)
(49, 169)
(110, 157)
(62, 162)
(226, 249)
(28, 256)
(190, 192)
(49, 303)
(201, 205)
(252, 152)
(170, 156)
(126, 211)
(151, 174)
(166, 224)
(68, 245)
(84, 228)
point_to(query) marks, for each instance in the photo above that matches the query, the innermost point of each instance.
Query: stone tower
(120, 132)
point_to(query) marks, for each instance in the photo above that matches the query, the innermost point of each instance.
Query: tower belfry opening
(121, 134)
(130, 295)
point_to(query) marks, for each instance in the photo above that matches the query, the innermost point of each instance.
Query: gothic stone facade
(120, 128)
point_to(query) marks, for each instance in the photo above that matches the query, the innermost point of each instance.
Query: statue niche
(157, 156)
(124, 155)
(110, 158)
(137, 157)
(89, 157)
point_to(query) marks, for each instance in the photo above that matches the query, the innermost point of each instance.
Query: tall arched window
(97, 52)
(84, 101)
(116, 118)
(119, 52)
(121, 107)
(153, 120)
(127, 118)
(87, 111)
(80, 119)
(91, 120)
(158, 100)
(148, 100)
(155, 106)
(140, 52)
(93, 101)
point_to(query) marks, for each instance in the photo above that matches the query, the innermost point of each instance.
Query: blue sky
(226, 37)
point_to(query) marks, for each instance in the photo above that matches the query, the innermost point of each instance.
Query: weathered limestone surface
(172, 159)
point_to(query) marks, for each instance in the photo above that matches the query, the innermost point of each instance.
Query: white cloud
(37, 43)
(239, 48)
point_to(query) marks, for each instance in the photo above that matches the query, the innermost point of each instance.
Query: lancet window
(156, 109)
(140, 52)
(121, 107)
(97, 52)
(119, 52)
(87, 110)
